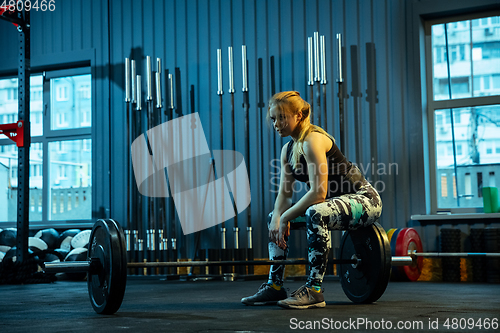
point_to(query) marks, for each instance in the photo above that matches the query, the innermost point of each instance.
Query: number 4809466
(19, 5)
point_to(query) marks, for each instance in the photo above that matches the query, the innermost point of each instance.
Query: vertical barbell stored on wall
(246, 106)
(340, 82)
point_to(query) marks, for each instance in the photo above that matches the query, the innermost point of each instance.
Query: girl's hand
(279, 228)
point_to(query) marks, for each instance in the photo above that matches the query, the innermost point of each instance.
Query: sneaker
(266, 295)
(304, 298)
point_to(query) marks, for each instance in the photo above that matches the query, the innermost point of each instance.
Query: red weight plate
(408, 240)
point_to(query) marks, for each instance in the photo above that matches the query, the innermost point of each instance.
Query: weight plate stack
(390, 232)
(491, 241)
(451, 242)
(36, 244)
(82, 239)
(65, 238)
(366, 281)
(106, 280)
(396, 275)
(49, 236)
(8, 238)
(478, 263)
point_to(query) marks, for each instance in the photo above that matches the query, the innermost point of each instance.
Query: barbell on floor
(364, 264)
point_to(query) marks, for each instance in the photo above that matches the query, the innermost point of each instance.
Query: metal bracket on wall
(14, 131)
(12, 16)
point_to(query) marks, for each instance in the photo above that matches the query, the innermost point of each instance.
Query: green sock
(316, 288)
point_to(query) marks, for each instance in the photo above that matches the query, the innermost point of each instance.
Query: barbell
(364, 264)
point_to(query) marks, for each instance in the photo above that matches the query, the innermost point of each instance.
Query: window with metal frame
(463, 89)
(60, 152)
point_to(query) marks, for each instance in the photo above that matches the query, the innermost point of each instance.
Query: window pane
(458, 45)
(70, 167)
(9, 176)
(477, 85)
(486, 82)
(474, 56)
(439, 63)
(476, 136)
(496, 81)
(486, 54)
(36, 105)
(70, 102)
(9, 103)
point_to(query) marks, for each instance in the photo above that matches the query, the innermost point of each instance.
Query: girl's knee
(311, 216)
(316, 220)
(310, 212)
(314, 213)
(318, 212)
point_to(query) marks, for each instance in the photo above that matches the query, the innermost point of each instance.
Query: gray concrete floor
(152, 305)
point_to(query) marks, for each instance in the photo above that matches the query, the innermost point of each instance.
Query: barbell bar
(84, 266)
(451, 254)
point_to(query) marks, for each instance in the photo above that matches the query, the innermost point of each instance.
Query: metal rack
(21, 19)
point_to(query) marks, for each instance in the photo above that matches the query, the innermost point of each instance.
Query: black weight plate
(107, 285)
(367, 281)
(385, 267)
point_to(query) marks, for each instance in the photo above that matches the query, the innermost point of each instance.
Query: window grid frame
(433, 105)
(54, 135)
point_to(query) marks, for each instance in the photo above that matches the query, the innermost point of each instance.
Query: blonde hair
(290, 103)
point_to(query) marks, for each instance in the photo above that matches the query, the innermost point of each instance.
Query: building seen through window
(466, 69)
(60, 164)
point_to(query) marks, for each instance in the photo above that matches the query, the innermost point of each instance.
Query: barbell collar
(402, 261)
(67, 267)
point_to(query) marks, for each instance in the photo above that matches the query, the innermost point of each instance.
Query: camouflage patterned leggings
(346, 212)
